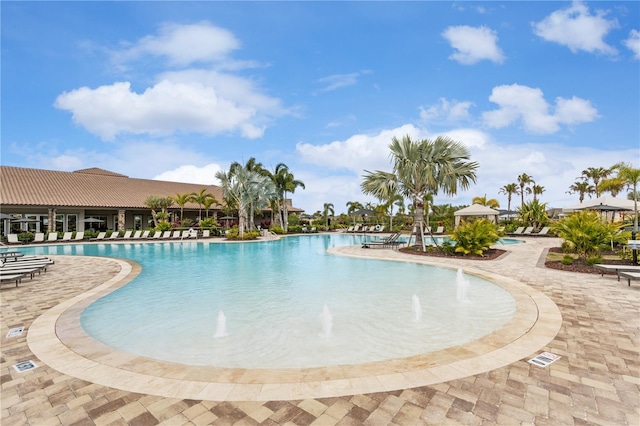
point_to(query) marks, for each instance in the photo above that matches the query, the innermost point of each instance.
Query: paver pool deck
(592, 322)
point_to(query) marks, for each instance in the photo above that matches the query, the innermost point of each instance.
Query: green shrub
(475, 237)
(567, 259)
(234, 234)
(594, 260)
(292, 228)
(293, 220)
(208, 223)
(277, 230)
(163, 225)
(566, 247)
(585, 234)
(26, 237)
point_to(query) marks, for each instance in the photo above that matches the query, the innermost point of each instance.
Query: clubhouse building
(38, 200)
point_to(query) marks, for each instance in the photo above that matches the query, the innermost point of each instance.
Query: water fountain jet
(462, 286)
(416, 309)
(327, 322)
(221, 325)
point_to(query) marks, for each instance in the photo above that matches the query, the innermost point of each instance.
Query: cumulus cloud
(358, 151)
(576, 28)
(337, 81)
(446, 111)
(182, 44)
(527, 104)
(473, 44)
(206, 101)
(633, 43)
(192, 174)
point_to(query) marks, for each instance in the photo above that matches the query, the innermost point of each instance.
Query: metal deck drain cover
(25, 366)
(544, 359)
(15, 332)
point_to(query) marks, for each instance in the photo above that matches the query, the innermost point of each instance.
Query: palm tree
(285, 182)
(245, 187)
(631, 177)
(208, 203)
(421, 168)
(327, 210)
(524, 180)
(156, 203)
(613, 185)
(580, 187)
(181, 200)
(509, 189)
(537, 190)
(491, 203)
(201, 198)
(596, 174)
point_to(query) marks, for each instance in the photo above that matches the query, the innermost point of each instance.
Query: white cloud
(473, 44)
(192, 174)
(337, 81)
(448, 111)
(65, 162)
(188, 100)
(528, 105)
(358, 152)
(633, 43)
(182, 45)
(576, 28)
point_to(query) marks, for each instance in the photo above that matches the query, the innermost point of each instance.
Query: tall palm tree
(421, 168)
(200, 198)
(509, 189)
(327, 210)
(580, 187)
(524, 180)
(245, 187)
(352, 206)
(181, 200)
(613, 185)
(285, 182)
(537, 190)
(596, 174)
(491, 202)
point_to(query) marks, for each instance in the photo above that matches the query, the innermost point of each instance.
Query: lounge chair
(304, 230)
(189, 233)
(10, 255)
(136, 235)
(53, 237)
(176, 234)
(145, 234)
(383, 242)
(166, 235)
(5, 278)
(517, 231)
(157, 235)
(114, 235)
(206, 233)
(79, 236)
(127, 235)
(630, 276)
(13, 239)
(528, 230)
(350, 229)
(543, 231)
(39, 237)
(439, 230)
(313, 229)
(66, 236)
(619, 269)
(100, 236)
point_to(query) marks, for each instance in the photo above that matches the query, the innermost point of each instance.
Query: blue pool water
(273, 295)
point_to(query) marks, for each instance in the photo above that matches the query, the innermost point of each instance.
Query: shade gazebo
(477, 210)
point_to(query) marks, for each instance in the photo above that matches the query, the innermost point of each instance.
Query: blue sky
(179, 90)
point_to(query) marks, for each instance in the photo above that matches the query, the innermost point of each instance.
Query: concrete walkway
(596, 380)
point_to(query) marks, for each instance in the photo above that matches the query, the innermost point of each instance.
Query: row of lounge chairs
(529, 231)
(52, 237)
(15, 266)
(365, 228)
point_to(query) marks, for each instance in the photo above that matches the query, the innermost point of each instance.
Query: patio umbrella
(227, 218)
(363, 212)
(25, 220)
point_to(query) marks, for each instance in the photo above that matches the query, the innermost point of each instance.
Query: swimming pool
(276, 298)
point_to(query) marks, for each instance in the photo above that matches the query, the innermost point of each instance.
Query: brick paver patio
(596, 380)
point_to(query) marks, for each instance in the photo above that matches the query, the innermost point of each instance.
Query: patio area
(596, 380)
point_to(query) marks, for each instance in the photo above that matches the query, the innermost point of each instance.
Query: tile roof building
(38, 196)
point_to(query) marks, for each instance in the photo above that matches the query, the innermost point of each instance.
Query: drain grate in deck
(15, 332)
(25, 366)
(544, 359)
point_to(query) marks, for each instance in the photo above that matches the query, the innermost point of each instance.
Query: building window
(115, 222)
(59, 223)
(72, 222)
(137, 221)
